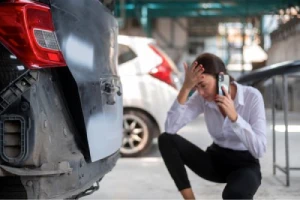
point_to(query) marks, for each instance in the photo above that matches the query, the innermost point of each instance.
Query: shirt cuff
(238, 124)
(174, 116)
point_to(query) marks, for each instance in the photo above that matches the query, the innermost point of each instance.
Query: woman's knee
(164, 140)
(163, 137)
(242, 184)
(233, 193)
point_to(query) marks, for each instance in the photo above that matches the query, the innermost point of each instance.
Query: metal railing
(285, 70)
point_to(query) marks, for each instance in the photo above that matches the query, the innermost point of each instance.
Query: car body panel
(87, 34)
(47, 111)
(148, 94)
(141, 90)
(146, 57)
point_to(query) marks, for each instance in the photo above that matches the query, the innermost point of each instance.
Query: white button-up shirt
(247, 133)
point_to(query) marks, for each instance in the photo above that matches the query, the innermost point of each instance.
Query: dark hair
(212, 64)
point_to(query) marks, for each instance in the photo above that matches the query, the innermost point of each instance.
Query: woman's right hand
(193, 75)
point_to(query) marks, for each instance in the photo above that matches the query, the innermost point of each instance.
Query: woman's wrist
(234, 118)
(186, 88)
(183, 95)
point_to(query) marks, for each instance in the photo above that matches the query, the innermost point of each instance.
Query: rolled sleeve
(179, 115)
(253, 133)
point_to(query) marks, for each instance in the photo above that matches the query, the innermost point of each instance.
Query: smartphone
(223, 80)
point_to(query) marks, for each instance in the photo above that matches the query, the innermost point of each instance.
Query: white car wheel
(137, 132)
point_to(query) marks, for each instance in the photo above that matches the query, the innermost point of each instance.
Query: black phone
(223, 80)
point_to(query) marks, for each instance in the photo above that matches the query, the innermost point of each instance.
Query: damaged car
(61, 101)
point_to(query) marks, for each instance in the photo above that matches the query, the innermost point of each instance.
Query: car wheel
(138, 132)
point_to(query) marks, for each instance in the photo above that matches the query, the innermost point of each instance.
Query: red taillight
(27, 30)
(163, 71)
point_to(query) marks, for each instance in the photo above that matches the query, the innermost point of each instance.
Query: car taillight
(164, 70)
(27, 30)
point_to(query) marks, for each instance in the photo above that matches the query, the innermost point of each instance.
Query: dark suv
(60, 97)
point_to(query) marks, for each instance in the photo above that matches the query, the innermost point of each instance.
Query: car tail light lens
(27, 30)
(46, 39)
(163, 71)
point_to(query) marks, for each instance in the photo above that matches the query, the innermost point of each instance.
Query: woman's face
(207, 87)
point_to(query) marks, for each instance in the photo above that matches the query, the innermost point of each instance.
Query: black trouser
(239, 169)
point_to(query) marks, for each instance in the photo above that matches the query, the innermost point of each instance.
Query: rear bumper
(45, 184)
(56, 151)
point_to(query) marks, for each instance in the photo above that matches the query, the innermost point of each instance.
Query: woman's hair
(212, 64)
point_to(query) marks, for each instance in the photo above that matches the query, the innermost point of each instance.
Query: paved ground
(147, 178)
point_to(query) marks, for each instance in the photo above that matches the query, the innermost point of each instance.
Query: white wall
(163, 27)
(285, 50)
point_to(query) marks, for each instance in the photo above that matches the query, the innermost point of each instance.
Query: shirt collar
(239, 97)
(211, 104)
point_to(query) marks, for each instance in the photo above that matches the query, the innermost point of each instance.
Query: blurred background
(242, 32)
(157, 37)
(256, 39)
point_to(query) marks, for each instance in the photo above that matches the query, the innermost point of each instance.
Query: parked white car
(150, 85)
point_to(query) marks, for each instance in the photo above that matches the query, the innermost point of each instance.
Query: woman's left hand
(227, 105)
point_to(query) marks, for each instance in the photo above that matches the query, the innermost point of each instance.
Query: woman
(236, 123)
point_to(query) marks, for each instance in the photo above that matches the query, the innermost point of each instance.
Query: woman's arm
(183, 109)
(179, 115)
(253, 133)
(183, 95)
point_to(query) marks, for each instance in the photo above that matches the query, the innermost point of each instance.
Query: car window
(125, 54)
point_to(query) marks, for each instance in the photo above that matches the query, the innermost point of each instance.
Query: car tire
(138, 130)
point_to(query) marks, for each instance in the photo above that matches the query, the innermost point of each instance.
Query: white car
(150, 85)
